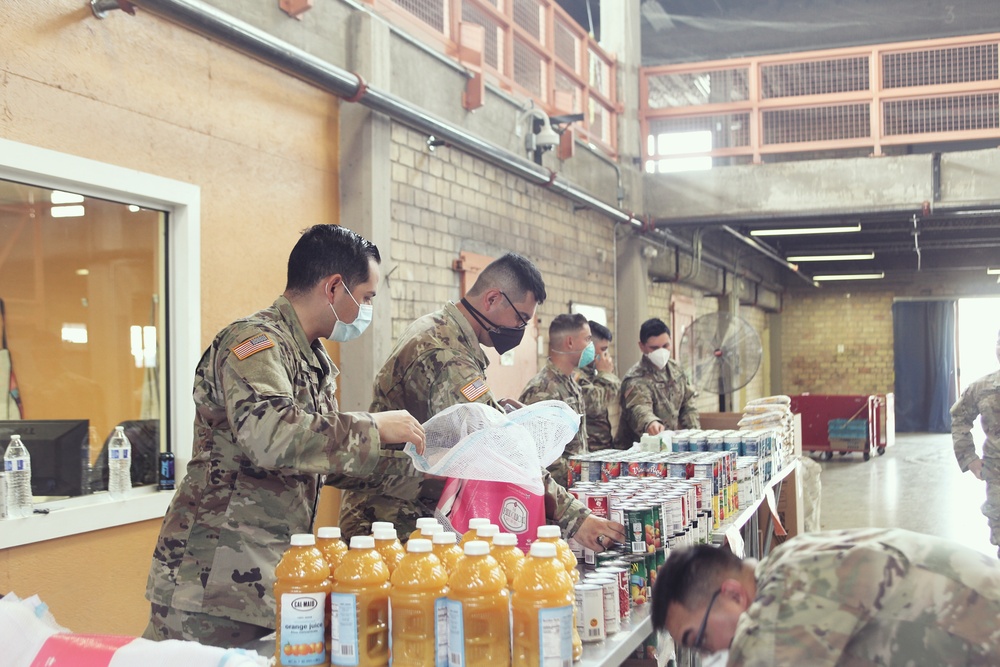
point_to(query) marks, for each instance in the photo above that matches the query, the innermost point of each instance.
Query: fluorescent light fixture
(993, 272)
(806, 230)
(60, 197)
(67, 211)
(83, 272)
(850, 276)
(74, 333)
(831, 258)
(133, 208)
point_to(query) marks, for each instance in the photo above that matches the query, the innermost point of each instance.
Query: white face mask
(659, 358)
(345, 331)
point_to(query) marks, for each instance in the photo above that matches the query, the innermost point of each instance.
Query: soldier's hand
(655, 428)
(398, 426)
(598, 534)
(976, 468)
(604, 363)
(509, 404)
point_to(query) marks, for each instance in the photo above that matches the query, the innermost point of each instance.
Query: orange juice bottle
(301, 587)
(487, 533)
(381, 524)
(447, 551)
(428, 532)
(359, 606)
(507, 553)
(542, 607)
(388, 546)
(328, 541)
(421, 522)
(478, 610)
(553, 534)
(474, 524)
(419, 611)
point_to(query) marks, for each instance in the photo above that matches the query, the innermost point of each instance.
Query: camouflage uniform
(600, 396)
(981, 398)
(649, 394)
(551, 384)
(436, 363)
(266, 430)
(871, 597)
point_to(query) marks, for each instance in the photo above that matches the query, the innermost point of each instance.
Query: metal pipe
(620, 191)
(256, 43)
(764, 250)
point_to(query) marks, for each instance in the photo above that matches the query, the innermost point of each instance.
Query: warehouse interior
(645, 154)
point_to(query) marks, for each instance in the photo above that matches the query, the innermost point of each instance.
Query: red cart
(818, 410)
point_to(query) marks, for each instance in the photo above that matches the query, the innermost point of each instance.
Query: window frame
(182, 203)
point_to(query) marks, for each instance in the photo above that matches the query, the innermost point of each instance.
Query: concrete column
(365, 201)
(633, 301)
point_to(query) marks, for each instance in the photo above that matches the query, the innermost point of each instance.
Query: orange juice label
(343, 629)
(441, 636)
(302, 629)
(555, 633)
(456, 634)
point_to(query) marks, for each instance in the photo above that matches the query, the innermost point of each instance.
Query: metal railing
(872, 98)
(532, 48)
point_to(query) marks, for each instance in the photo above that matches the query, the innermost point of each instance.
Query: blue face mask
(344, 331)
(587, 356)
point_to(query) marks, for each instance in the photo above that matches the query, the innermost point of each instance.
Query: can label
(620, 575)
(651, 569)
(597, 503)
(638, 579)
(612, 615)
(575, 471)
(610, 470)
(590, 612)
(634, 531)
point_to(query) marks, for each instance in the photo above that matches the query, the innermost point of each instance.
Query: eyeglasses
(524, 322)
(699, 639)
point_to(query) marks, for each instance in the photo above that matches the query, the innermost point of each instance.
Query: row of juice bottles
(432, 604)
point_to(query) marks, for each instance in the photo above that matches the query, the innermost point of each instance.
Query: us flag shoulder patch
(475, 389)
(252, 346)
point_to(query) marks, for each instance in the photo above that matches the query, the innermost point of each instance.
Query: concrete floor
(916, 485)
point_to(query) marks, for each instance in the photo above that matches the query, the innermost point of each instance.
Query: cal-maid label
(456, 634)
(555, 637)
(303, 640)
(343, 629)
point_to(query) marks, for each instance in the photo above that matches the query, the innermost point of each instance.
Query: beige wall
(815, 323)
(140, 93)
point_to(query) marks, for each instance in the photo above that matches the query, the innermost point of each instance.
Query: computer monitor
(60, 452)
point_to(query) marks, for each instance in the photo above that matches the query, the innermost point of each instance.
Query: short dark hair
(690, 576)
(324, 250)
(652, 327)
(566, 324)
(598, 330)
(514, 275)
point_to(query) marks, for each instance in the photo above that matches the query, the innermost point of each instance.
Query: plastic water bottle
(17, 466)
(119, 464)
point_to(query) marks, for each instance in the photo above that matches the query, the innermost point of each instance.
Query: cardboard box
(719, 420)
(789, 503)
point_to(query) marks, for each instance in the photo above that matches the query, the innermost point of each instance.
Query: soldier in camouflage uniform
(655, 394)
(437, 363)
(267, 429)
(600, 387)
(981, 399)
(570, 346)
(867, 596)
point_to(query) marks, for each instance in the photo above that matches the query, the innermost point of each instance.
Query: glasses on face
(699, 640)
(524, 322)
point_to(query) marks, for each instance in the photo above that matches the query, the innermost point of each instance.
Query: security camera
(540, 136)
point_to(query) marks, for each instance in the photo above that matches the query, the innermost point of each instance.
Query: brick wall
(447, 202)
(815, 323)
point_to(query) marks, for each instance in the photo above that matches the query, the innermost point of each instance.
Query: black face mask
(504, 338)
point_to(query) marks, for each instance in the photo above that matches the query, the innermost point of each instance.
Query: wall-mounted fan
(720, 352)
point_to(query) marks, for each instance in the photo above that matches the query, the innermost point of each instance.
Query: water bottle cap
(489, 530)
(362, 542)
(418, 546)
(444, 538)
(477, 548)
(381, 524)
(329, 532)
(543, 550)
(303, 540)
(430, 531)
(384, 534)
(549, 532)
(505, 540)
(426, 521)
(478, 523)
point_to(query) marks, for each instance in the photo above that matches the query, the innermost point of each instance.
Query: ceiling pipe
(215, 24)
(767, 252)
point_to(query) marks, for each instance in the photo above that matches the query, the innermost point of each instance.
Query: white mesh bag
(475, 441)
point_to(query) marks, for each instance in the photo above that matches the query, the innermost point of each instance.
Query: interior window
(82, 283)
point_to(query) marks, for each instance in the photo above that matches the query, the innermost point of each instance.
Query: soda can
(166, 477)
(609, 587)
(638, 579)
(590, 612)
(620, 573)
